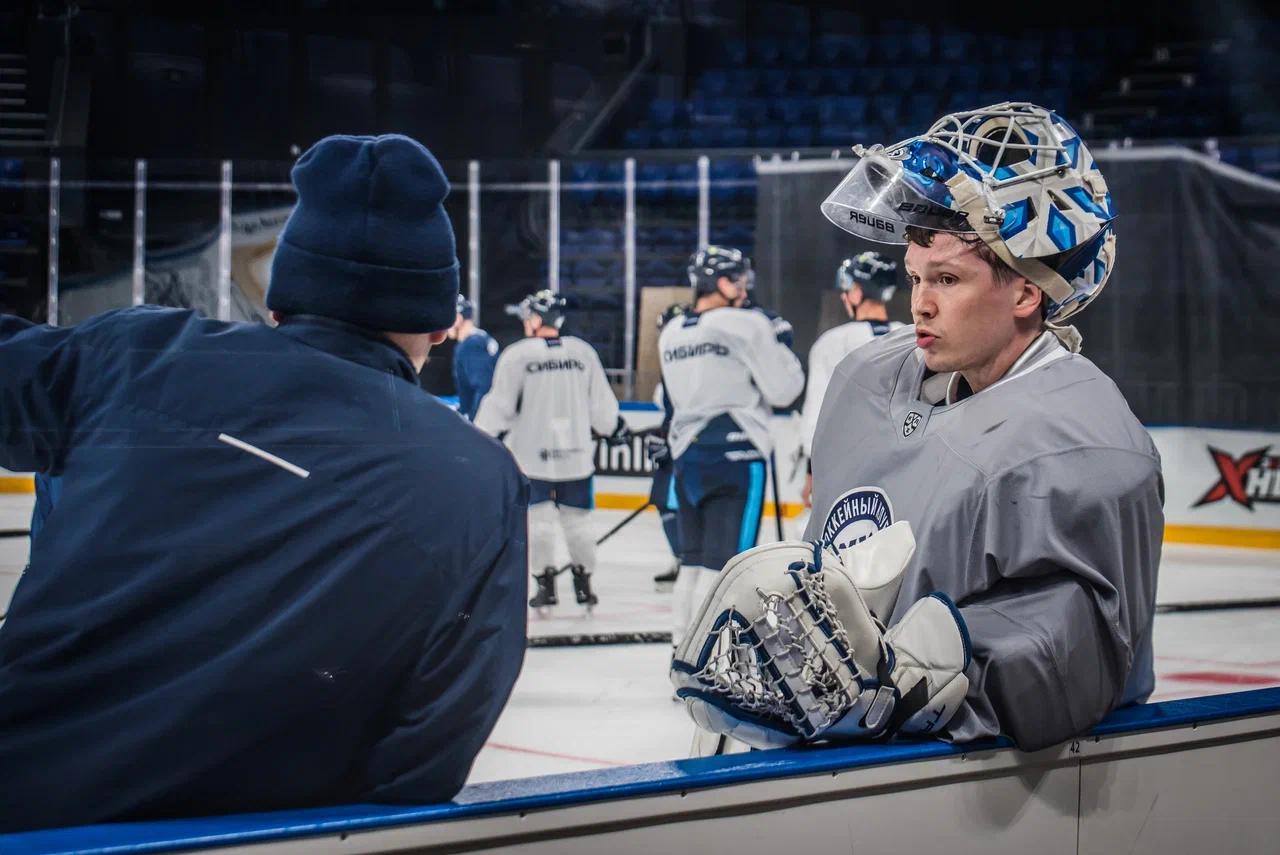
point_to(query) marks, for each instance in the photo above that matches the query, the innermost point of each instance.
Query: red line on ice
(1224, 678)
(520, 750)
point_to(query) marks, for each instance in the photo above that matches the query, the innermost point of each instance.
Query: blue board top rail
(584, 787)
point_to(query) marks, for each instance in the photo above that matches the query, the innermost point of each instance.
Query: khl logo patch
(910, 424)
(855, 516)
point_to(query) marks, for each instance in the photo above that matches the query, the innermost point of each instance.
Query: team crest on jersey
(855, 516)
(910, 423)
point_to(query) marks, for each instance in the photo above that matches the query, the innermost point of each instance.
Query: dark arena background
(593, 146)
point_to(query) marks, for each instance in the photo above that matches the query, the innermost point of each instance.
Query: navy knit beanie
(369, 241)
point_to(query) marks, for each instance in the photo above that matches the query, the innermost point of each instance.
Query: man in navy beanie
(278, 573)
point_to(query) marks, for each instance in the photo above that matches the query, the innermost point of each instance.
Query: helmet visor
(885, 193)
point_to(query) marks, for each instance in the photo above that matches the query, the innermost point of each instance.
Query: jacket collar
(349, 342)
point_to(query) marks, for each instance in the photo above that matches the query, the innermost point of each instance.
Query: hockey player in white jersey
(723, 368)
(866, 282)
(1023, 604)
(549, 394)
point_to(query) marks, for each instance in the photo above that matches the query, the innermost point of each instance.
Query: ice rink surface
(582, 708)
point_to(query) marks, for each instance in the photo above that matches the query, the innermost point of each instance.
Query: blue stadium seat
(714, 81)
(839, 81)
(994, 46)
(753, 111)
(669, 137)
(735, 51)
(795, 50)
(1057, 72)
(997, 75)
(1260, 122)
(777, 81)
(744, 81)
(664, 111)
(767, 136)
(686, 174)
(733, 137)
(799, 135)
(1027, 70)
(871, 80)
(647, 174)
(613, 173)
(956, 46)
(701, 137)
(965, 76)
(922, 108)
(766, 51)
(637, 137)
(809, 81)
(962, 99)
(886, 109)
(581, 171)
(920, 44)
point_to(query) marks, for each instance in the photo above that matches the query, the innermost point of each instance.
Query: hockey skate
(664, 582)
(582, 587)
(546, 594)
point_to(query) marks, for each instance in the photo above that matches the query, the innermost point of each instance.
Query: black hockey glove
(621, 434)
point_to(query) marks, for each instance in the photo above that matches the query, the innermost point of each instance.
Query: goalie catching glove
(787, 647)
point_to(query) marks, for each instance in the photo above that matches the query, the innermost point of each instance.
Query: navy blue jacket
(473, 363)
(202, 630)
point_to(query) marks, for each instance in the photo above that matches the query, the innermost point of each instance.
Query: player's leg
(543, 522)
(662, 495)
(575, 500)
(687, 478)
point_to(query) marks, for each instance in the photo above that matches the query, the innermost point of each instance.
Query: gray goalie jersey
(548, 394)
(725, 361)
(1036, 505)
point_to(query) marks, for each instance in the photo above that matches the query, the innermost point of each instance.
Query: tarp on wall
(1189, 326)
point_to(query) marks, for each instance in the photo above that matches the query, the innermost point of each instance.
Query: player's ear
(438, 336)
(1027, 298)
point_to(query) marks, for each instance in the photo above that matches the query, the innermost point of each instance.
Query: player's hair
(1003, 273)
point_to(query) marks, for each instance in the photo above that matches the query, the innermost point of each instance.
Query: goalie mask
(546, 304)
(1015, 174)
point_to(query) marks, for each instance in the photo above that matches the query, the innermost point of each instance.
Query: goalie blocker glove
(787, 647)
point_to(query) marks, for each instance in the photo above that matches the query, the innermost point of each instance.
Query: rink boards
(1183, 776)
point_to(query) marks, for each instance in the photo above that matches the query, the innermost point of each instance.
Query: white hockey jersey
(548, 394)
(725, 361)
(827, 352)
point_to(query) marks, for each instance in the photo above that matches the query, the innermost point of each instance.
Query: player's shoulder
(875, 366)
(733, 319)
(1068, 416)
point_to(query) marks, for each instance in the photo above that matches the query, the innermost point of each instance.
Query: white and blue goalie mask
(1015, 174)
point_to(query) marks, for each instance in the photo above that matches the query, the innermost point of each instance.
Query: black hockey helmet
(546, 304)
(675, 310)
(708, 265)
(465, 309)
(876, 274)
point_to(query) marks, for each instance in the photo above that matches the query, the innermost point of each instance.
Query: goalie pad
(786, 648)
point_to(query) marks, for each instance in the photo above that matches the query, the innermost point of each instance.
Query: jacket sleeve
(463, 678)
(1076, 537)
(603, 403)
(37, 383)
(499, 407)
(775, 370)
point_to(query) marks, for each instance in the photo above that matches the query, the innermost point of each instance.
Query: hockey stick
(14, 532)
(611, 532)
(777, 496)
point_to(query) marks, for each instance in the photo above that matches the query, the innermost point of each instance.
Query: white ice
(594, 707)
